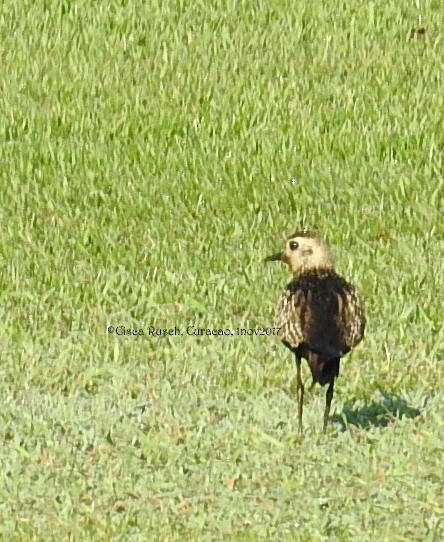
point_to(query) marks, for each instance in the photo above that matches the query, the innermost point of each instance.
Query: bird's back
(320, 312)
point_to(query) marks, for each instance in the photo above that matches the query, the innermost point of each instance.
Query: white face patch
(305, 253)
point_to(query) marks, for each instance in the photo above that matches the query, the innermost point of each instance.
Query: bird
(319, 315)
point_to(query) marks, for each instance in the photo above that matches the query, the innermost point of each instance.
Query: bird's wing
(288, 317)
(296, 317)
(351, 315)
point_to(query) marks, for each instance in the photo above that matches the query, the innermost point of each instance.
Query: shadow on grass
(376, 414)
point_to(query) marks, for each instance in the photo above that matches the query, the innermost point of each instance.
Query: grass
(152, 155)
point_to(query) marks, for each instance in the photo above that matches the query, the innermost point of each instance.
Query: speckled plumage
(320, 315)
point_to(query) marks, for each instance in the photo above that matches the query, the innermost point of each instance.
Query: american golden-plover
(320, 315)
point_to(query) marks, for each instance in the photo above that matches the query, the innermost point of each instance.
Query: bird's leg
(328, 398)
(299, 392)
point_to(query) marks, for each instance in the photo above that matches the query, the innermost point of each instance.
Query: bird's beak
(275, 257)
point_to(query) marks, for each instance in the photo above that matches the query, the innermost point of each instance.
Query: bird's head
(304, 251)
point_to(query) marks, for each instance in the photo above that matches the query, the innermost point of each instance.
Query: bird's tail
(323, 368)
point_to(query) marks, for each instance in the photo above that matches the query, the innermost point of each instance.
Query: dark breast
(321, 312)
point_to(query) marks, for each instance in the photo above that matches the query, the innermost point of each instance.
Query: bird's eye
(293, 245)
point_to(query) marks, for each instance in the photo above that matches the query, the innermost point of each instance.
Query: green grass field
(152, 154)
